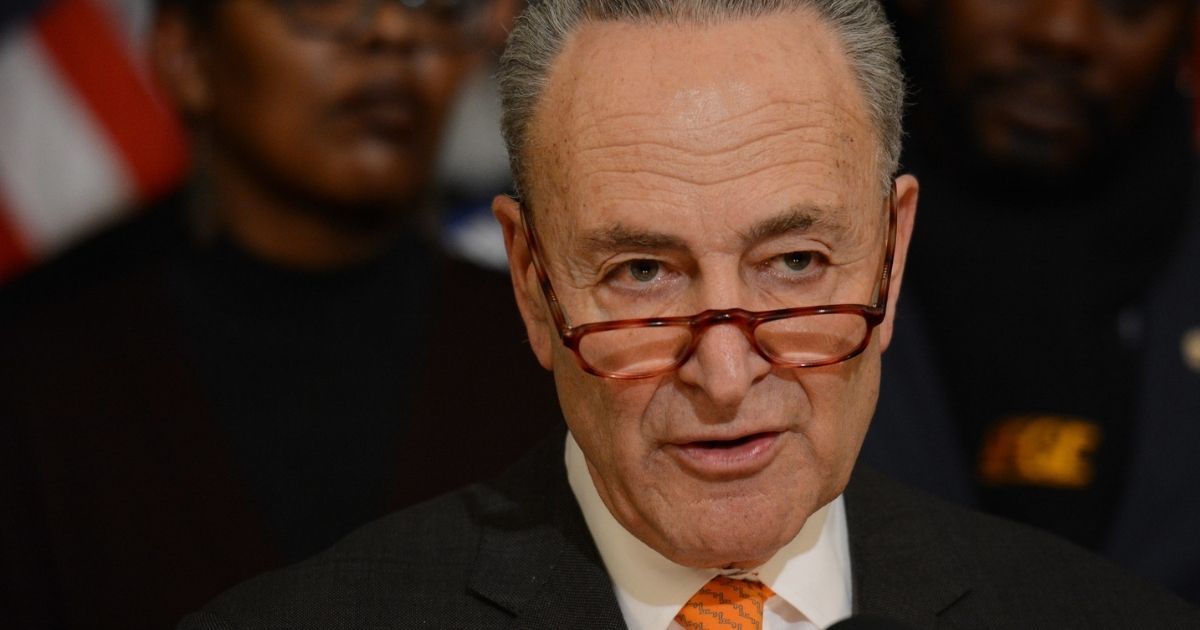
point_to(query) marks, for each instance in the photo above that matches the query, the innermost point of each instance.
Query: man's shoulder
(987, 568)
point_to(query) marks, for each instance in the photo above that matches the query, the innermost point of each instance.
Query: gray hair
(543, 29)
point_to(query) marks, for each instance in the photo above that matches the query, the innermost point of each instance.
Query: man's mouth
(728, 459)
(730, 444)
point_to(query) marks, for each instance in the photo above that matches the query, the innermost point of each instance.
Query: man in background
(1048, 363)
(235, 379)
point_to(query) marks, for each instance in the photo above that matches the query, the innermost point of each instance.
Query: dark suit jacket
(122, 503)
(516, 554)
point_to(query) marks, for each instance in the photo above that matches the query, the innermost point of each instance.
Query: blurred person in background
(236, 378)
(1047, 366)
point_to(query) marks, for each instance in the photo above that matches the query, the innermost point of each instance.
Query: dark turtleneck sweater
(307, 372)
(1032, 302)
(177, 416)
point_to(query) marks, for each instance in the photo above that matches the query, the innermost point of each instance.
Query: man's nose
(724, 366)
(1068, 29)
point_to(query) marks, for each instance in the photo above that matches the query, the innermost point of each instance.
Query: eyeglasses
(455, 24)
(811, 336)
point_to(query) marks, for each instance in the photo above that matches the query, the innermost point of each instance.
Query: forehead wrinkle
(820, 145)
(812, 146)
(769, 111)
(647, 131)
(683, 175)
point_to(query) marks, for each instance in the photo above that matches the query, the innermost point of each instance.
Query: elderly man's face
(682, 168)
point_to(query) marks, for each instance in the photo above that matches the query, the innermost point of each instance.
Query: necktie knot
(725, 603)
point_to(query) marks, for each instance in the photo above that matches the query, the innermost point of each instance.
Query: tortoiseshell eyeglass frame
(744, 320)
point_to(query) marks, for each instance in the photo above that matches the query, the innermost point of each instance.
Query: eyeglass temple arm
(535, 256)
(885, 275)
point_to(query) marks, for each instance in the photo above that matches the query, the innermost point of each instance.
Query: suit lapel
(536, 557)
(537, 560)
(907, 564)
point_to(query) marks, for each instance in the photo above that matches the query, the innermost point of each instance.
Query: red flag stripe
(81, 39)
(14, 255)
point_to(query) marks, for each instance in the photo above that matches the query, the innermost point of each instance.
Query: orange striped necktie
(725, 603)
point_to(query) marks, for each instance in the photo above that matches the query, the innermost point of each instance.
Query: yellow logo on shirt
(1039, 450)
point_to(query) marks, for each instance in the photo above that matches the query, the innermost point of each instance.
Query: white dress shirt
(810, 575)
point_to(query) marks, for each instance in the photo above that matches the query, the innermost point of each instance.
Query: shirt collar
(811, 573)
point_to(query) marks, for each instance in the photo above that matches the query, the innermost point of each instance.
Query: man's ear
(176, 57)
(907, 190)
(525, 281)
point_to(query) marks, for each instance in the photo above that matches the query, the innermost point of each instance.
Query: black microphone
(869, 622)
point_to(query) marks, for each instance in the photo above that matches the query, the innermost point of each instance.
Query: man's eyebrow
(619, 238)
(801, 218)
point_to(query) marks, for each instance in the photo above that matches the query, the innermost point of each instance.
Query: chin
(747, 553)
(741, 533)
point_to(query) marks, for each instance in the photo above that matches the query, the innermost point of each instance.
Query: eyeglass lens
(801, 340)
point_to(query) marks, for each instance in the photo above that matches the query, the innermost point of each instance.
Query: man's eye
(796, 261)
(643, 270)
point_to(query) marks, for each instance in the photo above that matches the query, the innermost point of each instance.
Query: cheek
(604, 415)
(585, 408)
(843, 402)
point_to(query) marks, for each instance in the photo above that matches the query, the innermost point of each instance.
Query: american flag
(83, 135)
